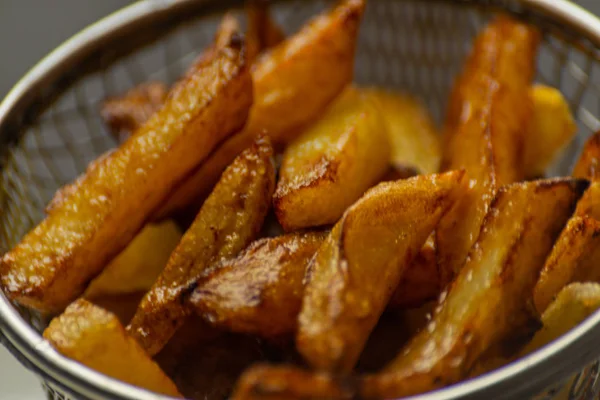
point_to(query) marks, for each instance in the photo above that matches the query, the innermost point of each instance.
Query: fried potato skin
(413, 137)
(574, 303)
(260, 291)
(588, 165)
(92, 220)
(266, 382)
(230, 218)
(263, 32)
(574, 258)
(486, 136)
(95, 338)
(297, 79)
(332, 164)
(127, 113)
(490, 297)
(355, 271)
(137, 267)
(550, 129)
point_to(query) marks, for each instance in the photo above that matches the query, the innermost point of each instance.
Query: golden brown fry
(488, 302)
(573, 304)
(265, 382)
(259, 292)
(421, 280)
(92, 220)
(136, 268)
(486, 138)
(95, 338)
(263, 32)
(574, 258)
(588, 165)
(551, 128)
(127, 113)
(355, 271)
(331, 164)
(293, 84)
(230, 218)
(414, 140)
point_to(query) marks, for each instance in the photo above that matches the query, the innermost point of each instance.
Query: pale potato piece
(260, 291)
(229, 220)
(95, 338)
(485, 138)
(137, 267)
(413, 137)
(488, 302)
(263, 32)
(95, 218)
(355, 271)
(551, 128)
(332, 163)
(573, 305)
(574, 258)
(293, 83)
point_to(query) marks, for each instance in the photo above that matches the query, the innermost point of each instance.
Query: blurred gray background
(29, 29)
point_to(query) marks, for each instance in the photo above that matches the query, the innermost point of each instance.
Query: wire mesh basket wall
(411, 45)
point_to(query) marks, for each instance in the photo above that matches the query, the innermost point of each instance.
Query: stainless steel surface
(49, 130)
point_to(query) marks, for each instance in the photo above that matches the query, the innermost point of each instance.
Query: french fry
(332, 164)
(230, 218)
(127, 113)
(122, 305)
(588, 165)
(296, 80)
(414, 140)
(136, 268)
(488, 301)
(263, 32)
(354, 272)
(486, 138)
(92, 220)
(259, 292)
(574, 303)
(95, 338)
(266, 382)
(551, 128)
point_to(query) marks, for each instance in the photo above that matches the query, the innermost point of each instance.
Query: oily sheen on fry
(488, 117)
(228, 221)
(293, 83)
(488, 302)
(92, 220)
(355, 271)
(94, 337)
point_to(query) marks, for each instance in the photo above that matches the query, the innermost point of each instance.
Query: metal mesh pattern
(412, 45)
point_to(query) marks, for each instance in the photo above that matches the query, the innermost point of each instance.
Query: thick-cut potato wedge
(488, 302)
(95, 218)
(282, 382)
(123, 305)
(355, 271)
(551, 128)
(230, 218)
(573, 304)
(588, 165)
(293, 84)
(574, 258)
(127, 113)
(413, 137)
(263, 32)
(421, 280)
(486, 138)
(259, 292)
(332, 164)
(95, 338)
(136, 268)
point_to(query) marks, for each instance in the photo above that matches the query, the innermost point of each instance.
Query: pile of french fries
(268, 230)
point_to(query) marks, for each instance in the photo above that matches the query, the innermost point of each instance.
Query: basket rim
(531, 374)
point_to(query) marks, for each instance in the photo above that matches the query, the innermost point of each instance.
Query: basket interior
(411, 45)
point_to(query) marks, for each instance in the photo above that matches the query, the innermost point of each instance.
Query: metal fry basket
(50, 129)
